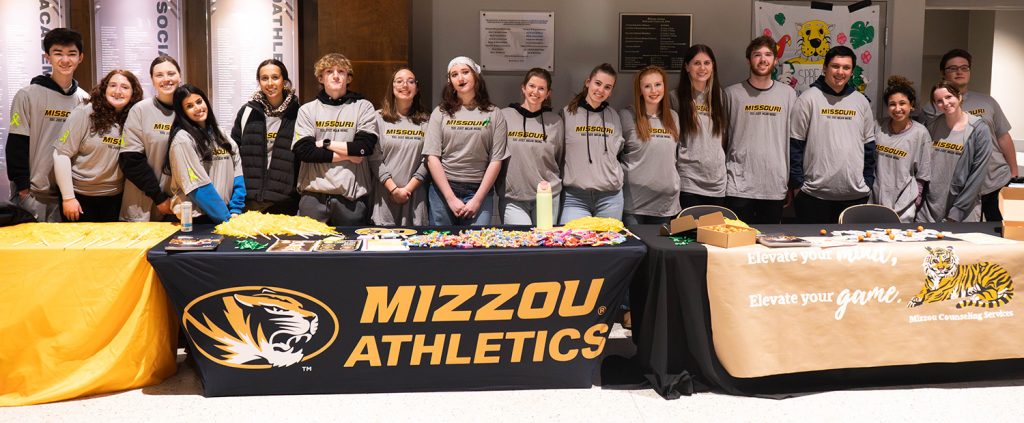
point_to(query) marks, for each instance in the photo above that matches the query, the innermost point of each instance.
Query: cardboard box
(688, 223)
(739, 236)
(1011, 204)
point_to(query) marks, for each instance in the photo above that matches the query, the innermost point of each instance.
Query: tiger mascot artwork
(815, 40)
(266, 328)
(985, 284)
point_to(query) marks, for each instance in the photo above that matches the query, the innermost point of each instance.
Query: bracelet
(393, 189)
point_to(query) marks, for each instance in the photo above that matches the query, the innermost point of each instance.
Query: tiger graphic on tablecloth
(979, 285)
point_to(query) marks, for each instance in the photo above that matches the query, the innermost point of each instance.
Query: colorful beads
(501, 238)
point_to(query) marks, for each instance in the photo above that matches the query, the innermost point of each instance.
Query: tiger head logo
(984, 284)
(257, 328)
(815, 40)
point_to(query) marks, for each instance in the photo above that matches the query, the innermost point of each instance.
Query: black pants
(990, 207)
(810, 209)
(752, 210)
(689, 200)
(97, 209)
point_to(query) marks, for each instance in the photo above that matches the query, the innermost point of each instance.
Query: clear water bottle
(186, 216)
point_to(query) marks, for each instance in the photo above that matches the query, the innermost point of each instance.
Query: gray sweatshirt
(652, 182)
(399, 157)
(903, 158)
(536, 147)
(146, 131)
(467, 142)
(959, 162)
(701, 164)
(836, 129)
(94, 169)
(757, 160)
(593, 140)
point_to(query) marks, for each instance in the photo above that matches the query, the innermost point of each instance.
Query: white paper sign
(517, 41)
(244, 33)
(131, 33)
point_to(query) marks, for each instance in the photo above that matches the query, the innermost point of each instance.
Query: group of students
(754, 146)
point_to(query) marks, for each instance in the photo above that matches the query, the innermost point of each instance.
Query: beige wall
(1008, 48)
(587, 34)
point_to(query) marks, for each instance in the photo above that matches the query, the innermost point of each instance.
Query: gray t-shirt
(836, 129)
(987, 108)
(147, 131)
(94, 169)
(399, 157)
(39, 113)
(533, 157)
(467, 142)
(189, 171)
(652, 182)
(273, 124)
(701, 164)
(593, 141)
(338, 124)
(757, 160)
(902, 159)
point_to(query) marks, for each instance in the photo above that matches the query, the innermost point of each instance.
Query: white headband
(463, 60)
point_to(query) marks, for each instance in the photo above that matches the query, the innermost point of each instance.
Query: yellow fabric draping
(81, 311)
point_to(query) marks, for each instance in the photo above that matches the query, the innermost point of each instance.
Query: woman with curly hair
(397, 162)
(465, 147)
(85, 155)
(903, 149)
(204, 161)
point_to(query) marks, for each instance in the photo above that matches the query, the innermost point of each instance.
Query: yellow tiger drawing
(983, 284)
(265, 328)
(815, 40)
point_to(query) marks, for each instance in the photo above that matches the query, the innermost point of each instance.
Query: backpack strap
(245, 117)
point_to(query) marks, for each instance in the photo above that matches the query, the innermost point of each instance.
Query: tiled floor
(179, 399)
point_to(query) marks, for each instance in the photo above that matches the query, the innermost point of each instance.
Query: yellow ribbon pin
(15, 120)
(64, 138)
(192, 177)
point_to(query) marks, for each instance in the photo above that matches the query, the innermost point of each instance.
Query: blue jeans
(441, 215)
(585, 202)
(525, 212)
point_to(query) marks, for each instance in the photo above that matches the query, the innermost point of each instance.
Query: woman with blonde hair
(651, 129)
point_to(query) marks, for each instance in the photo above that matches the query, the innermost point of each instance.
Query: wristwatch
(327, 143)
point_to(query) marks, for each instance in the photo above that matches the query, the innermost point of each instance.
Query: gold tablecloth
(81, 311)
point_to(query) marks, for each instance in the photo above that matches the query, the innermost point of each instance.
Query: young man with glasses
(955, 67)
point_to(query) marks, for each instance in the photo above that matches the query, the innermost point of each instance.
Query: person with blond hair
(334, 133)
(651, 129)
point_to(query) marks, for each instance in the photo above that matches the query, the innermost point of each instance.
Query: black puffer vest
(276, 183)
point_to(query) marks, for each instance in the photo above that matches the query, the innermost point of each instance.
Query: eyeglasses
(405, 82)
(961, 68)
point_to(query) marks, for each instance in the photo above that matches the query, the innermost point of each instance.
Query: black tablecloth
(672, 330)
(370, 300)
